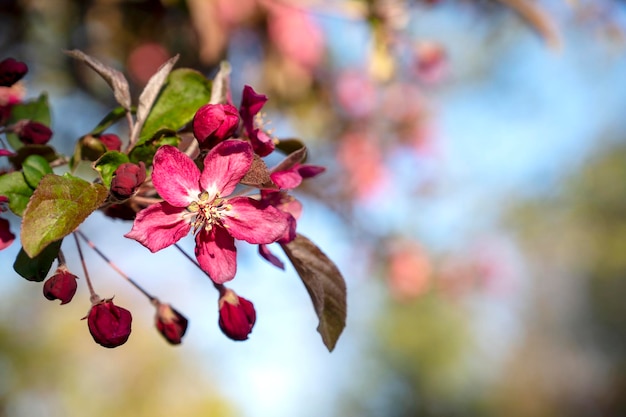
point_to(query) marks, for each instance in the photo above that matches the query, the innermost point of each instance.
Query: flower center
(208, 212)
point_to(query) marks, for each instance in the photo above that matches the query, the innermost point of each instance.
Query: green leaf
(14, 186)
(108, 163)
(288, 146)
(146, 151)
(36, 269)
(108, 120)
(36, 110)
(34, 168)
(184, 93)
(58, 206)
(88, 148)
(325, 286)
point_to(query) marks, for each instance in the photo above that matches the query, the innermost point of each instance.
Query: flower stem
(94, 298)
(219, 287)
(113, 266)
(61, 258)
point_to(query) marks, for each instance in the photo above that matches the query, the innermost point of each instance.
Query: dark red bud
(60, 286)
(111, 141)
(214, 123)
(170, 323)
(6, 236)
(34, 133)
(109, 324)
(11, 71)
(237, 315)
(126, 179)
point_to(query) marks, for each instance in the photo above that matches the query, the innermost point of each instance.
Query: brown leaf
(325, 286)
(113, 77)
(293, 158)
(258, 175)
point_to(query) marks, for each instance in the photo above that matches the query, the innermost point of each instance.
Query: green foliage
(108, 163)
(185, 91)
(14, 186)
(34, 169)
(36, 269)
(57, 207)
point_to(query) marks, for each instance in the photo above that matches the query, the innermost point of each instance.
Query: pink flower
(34, 133)
(127, 178)
(237, 315)
(6, 237)
(214, 123)
(111, 141)
(195, 200)
(251, 104)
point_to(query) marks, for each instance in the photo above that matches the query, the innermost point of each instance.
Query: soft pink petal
(251, 104)
(216, 254)
(262, 143)
(286, 179)
(6, 237)
(6, 152)
(225, 165)
(175, 176)
(159, 226)
(290, 233)
(310, 171)
(265, 252)
(255, 221)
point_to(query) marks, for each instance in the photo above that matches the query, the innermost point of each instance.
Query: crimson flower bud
(237, 315)
(214, 123)
(126, 179)
(109, 324)
(170, 323)
(111, 141)
(34, 133)
(11, 71)
(60, 286)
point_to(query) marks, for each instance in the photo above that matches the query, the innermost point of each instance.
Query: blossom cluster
(215, 186)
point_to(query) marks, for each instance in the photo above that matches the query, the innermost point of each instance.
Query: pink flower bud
(170, 323)
(60, 286)
(6, 236)
(214, 123)
(109, 324)
(11, 71)
(34, 133)
(126, 179)
(237, 315)
(111, 141)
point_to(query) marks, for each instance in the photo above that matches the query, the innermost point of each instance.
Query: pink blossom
(195, 200)
(251, 105)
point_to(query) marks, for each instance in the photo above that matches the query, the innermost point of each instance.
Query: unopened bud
(237, 315)
(11, 71)
(170, 323)
(111, 141)
(33, 133)
(109, 324)
(60, 286)
(214, 123)
(126, 179)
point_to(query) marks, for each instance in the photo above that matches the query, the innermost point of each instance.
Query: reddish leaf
(325, 285)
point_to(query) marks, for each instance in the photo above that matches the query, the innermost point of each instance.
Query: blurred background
(474, 199)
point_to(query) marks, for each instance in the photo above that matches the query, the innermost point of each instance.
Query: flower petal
(225, 165)
(287, 179)
(265, 252)
(255, 221)
(175, 176)
(159, 226)
(216, 254)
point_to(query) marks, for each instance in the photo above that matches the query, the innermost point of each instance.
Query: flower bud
(109, 324)
(237, 315)
(6, 236)
(126, 179)
(60, 286)
(11, 71)
(34, 133)
(214, 123)
(170, 323)
(111, 141)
